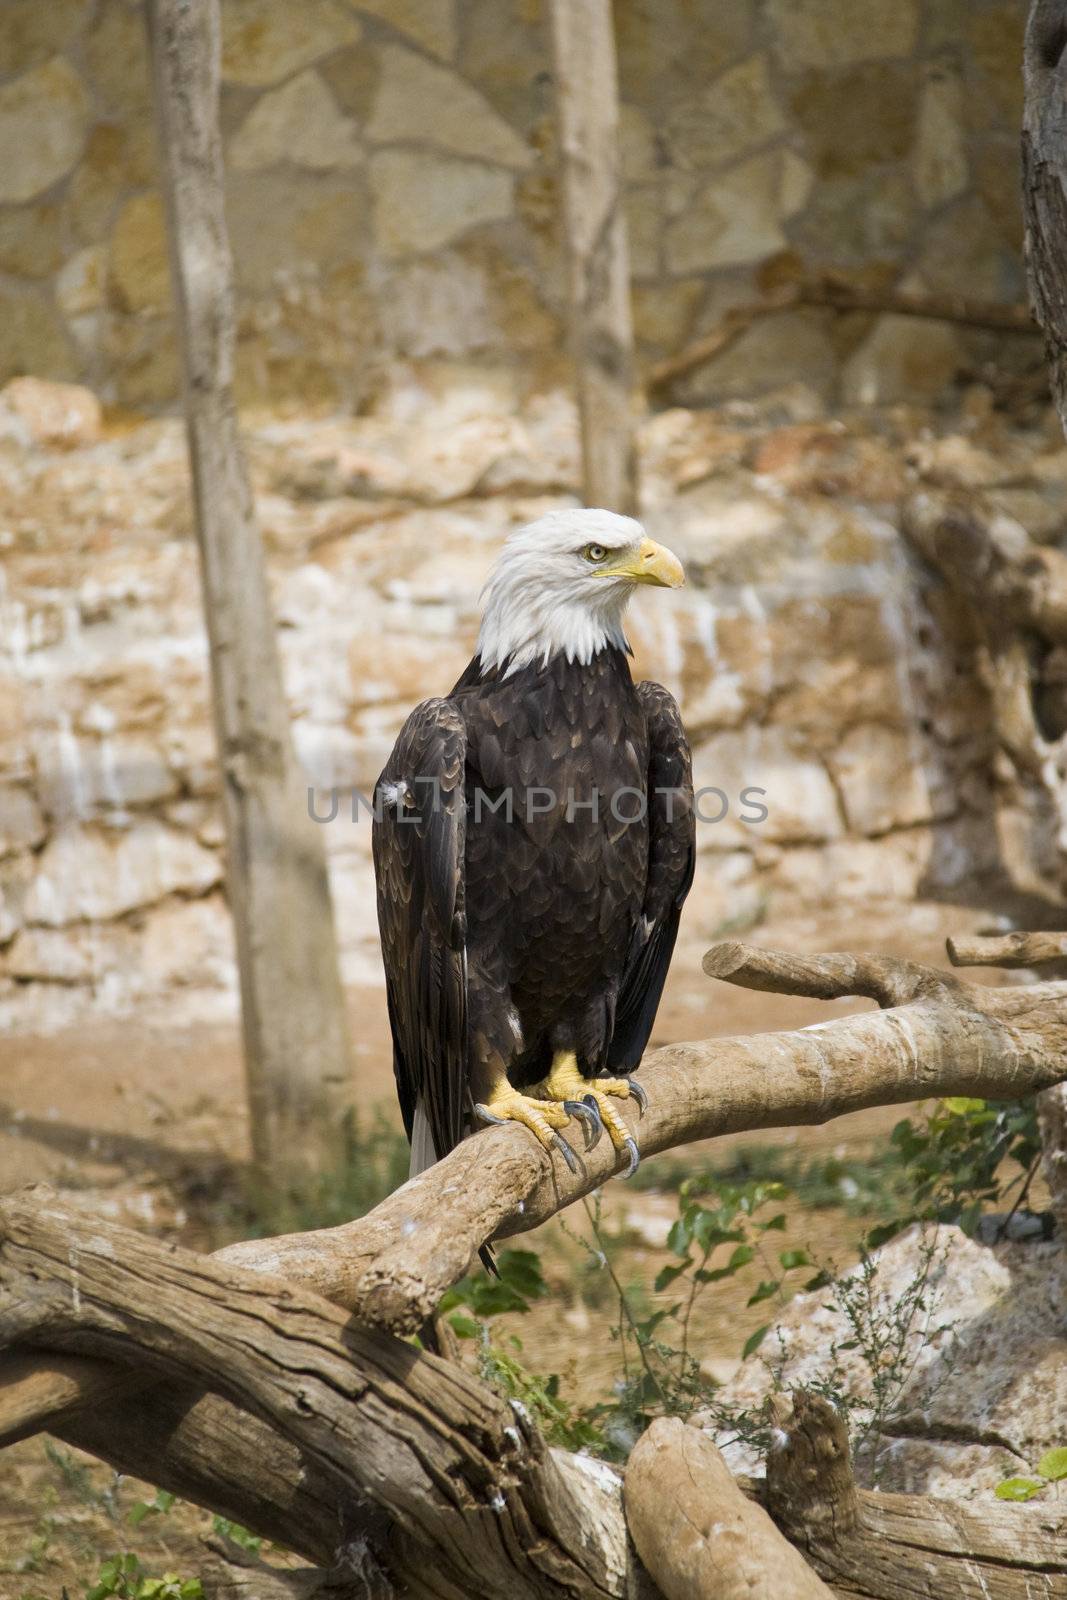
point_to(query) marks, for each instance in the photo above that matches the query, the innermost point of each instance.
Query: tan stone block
(639, 149)
(505, 52)
(879, 774)
(21, 822)
(81, 284)
(734, 114)
(811, 33)
(940, 162)
(733, 220)
(33, 31)
(848, 218)
(116, 55)
(675, 46)
(142, 353)
(663, 312)
(57, 414)
(429, 104)
(798, 794)
(302, 225)
(644, 230)
(901, 360)
(795, 348)
(139, 270)
(263, 42)
(352, 76)
(32, 239)
(85, 874)
(116, 159)
(43, 123)
(32, 338)
(857, 118)
(300, 124)
(422, 202)
(431, 23)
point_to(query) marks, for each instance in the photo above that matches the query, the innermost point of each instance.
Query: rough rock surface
(757, 137)
(984, 1363)
(809, 653)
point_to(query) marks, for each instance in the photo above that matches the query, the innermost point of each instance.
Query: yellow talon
(542, 1117)
(565, 1083)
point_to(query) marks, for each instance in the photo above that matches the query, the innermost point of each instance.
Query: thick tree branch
(697, 1533)
(898, 1546)
(1007, 950)
(423, 1451)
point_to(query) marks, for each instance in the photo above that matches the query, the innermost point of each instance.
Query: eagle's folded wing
(420, 821)
(672, 857)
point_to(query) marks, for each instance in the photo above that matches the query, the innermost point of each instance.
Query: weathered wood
(940, 1036)
(38, 1393)
(696, 1532)
(601, 327)
(828, 292)
(904, 1547)
(1007, 949)
(442, 1463)
(295, 1035)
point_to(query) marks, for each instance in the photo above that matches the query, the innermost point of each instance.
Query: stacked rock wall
(814, 659)
(392, 186)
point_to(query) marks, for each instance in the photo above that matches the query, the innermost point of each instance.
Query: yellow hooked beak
(650, 563)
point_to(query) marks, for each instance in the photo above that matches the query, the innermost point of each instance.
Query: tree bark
(695, 1531)
(601, 329)
(428, 1458)
(295, 1032)
(901, 1546)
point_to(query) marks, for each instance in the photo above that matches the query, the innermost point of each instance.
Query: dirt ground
(145, 1121)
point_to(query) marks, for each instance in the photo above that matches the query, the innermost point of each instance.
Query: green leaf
(1053, 1465)
(464, 1327)
(794, 1258)
(960, 1105)
(678, 1240)
(1018, 1489)
(138, 1513)
(667, 1275)
(754, 1340)
(775, 1222)
(767, 1288)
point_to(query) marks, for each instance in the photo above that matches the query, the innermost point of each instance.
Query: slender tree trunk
(1045, 209)
(601, 329)
(295, 1037)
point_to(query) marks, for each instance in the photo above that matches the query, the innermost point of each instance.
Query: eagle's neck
(525, 625)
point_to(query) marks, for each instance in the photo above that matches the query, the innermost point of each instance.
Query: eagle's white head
(561, 585)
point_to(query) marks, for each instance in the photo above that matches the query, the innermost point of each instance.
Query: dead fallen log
(695, 1530)
(828, 292)
(901, 1546)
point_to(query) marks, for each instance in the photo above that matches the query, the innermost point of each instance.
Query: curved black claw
(566, 1152)
(633, 1156)
(638, 1093)
(588, 1115)
(484, 1113)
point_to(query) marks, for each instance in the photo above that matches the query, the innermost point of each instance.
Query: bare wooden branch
(601, 326)
(1007, 950)
(295, 1032)
(38, 1393)
(695, 1531)
(897, 1546)
(447, 1464)
(837, 294)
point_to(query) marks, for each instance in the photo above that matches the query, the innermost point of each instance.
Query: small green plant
(122, 1577)
(952, 1160)
(1052, 1468)
(250, 1543)
(142, 1510)
(519, 1282)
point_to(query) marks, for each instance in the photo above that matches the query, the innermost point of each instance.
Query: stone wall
(392, 188)
(812, 656)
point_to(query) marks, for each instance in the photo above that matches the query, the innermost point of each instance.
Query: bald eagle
(533, 845)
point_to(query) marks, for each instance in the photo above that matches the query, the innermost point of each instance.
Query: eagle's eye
(594, 552)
